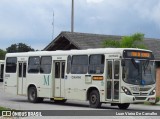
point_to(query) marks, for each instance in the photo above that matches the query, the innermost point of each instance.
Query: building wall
(158, 82)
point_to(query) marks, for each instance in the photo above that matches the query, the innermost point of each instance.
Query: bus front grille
(140, 98)
(144, 89)
(140, 94)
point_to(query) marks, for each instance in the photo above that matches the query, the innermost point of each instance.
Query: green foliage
(4, 108)
(111, 43)
(2, 54)
(133, 41)
(20, 47)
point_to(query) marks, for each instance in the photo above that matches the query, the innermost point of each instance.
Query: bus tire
(123, 105)
(32, 95)
(94, 99)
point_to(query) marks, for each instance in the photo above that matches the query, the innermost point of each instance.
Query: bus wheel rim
(32, 95)
(93, 99)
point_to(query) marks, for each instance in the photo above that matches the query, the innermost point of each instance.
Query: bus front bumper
(137, 99)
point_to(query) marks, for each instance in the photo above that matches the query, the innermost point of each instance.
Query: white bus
(119, 76)
(1, 70)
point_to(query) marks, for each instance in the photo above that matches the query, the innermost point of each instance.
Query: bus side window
(62, 70)
(96, 64)
(79, 64)
(34, 64)
(57, 70)
(20, 70)
(11, 65)
(46, 62)
(109, 70)
(69, 60)
(116, 70)
(24, 69)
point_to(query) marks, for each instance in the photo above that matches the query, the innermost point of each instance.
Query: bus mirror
(123, 62)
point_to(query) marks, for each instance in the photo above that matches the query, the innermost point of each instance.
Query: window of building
(96, 64)
(46, 63)
(79, 64)
(34, 64)
(11, 65)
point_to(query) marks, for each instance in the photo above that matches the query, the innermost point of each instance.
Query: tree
(20, 47)
(2, 54)
(133, 41)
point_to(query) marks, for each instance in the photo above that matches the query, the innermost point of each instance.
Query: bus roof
(73, 52)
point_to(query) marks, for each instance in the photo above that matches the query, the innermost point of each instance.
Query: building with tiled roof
(69, 40)
(74, 40)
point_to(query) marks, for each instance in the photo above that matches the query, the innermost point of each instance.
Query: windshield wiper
(145, 65)
(134, 63)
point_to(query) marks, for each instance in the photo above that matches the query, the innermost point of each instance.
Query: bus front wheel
(123, 106)
(94, 99)
(32, 95)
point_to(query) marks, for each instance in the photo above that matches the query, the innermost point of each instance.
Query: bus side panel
(10, 83)
(42, 83)
(75, 87)
(100, 86)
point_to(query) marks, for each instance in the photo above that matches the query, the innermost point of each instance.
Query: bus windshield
(139, 72)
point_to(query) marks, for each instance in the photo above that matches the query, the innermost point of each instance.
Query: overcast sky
(30, 21)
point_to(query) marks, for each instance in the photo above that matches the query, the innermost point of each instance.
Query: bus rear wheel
(32, 95)
(123, 105)
(94, 99)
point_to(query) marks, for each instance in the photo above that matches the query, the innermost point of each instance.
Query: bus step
(114, 104)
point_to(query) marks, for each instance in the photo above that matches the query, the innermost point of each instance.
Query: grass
(5, 116)
(4, 108)
(149, 103)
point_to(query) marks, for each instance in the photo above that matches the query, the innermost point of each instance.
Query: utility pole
(53, 26)
(72, 17)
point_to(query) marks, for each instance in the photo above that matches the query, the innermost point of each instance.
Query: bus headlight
(126, 90)
(152, 92)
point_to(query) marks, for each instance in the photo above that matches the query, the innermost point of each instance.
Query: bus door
(1, 72)
(59, 87)
(21, 77)
(113, 80)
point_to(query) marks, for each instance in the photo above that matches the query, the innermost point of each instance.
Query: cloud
(94, 1)
(30, 21)
(122, 17)
(151, 12)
